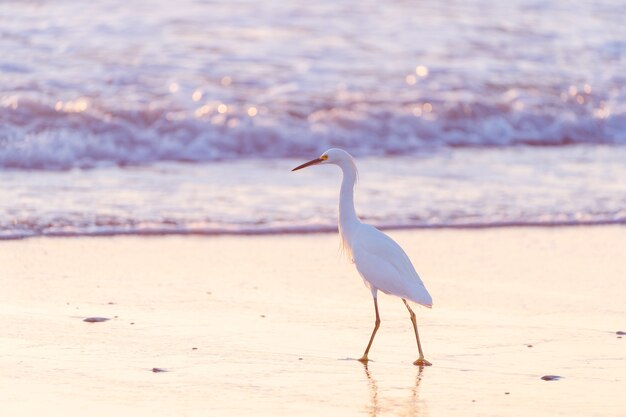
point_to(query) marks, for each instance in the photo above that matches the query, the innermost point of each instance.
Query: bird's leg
(364, 358)
(420, 361)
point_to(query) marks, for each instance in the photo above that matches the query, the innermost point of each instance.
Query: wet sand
(270, 325)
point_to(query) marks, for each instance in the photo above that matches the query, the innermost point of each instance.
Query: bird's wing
(383, 264)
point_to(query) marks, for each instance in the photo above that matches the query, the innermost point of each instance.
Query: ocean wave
(136, 82)
(36, 136)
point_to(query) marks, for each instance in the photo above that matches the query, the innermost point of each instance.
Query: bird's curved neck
(347, 214)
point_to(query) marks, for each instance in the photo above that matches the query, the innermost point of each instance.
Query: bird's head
(333, 156)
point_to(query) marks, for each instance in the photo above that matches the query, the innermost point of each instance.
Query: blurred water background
(185, 117)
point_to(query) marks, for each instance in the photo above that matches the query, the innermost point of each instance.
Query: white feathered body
(383, 264)
(379, 259)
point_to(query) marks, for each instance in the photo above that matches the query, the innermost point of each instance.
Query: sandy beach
(159, 257)
(271, 325)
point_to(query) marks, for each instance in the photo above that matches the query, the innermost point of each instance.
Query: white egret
(381, 262)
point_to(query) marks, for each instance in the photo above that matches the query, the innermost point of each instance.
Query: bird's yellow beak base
(308, 164)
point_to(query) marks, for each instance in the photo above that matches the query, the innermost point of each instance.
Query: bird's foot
(422, 362)
(363, 359)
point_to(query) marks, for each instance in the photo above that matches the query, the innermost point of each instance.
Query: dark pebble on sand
(159, 370)
(551, 377)
(132, 322)
(506, 393)
(262, 316)
(529, 345)
(620, 333)
(96, 319)
(194, 348)
(299, 359)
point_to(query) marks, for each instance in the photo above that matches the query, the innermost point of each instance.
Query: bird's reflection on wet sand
(411, 407)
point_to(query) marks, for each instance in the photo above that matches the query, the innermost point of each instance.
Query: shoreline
(462, 189)
(320, 230)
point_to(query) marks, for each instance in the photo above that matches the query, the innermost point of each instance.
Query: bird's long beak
(308, 164)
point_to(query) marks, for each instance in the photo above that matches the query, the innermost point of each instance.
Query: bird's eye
(324, 157)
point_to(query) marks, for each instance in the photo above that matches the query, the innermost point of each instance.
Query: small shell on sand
(96, 319)
(551, 377)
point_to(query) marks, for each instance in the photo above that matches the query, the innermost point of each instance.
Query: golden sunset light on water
(290, 208)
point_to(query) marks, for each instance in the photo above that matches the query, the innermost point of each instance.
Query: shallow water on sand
(276, 323)
(462, 188)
